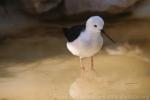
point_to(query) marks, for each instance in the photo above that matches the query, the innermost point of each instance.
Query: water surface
(39, 67)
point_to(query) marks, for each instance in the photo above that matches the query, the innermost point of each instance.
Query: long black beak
(107, 36)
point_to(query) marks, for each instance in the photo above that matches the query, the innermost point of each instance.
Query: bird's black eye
(95, 25)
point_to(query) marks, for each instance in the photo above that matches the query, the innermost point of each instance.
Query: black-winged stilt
(86, 40)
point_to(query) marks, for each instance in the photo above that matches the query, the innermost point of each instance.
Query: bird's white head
(95, 24)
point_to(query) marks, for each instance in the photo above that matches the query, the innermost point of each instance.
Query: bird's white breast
(86, 45)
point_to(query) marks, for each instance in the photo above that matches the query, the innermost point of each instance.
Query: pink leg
(81, 65)
(92, 64)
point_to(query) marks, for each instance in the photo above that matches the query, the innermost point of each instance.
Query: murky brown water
(39, 67)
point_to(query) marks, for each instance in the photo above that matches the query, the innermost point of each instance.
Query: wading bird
(86, 40)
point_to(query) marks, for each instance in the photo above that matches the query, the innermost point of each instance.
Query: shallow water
(39, 67)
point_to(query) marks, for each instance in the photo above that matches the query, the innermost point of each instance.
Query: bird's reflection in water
(87, 86)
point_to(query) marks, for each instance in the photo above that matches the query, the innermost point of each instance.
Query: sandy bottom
(39, 67)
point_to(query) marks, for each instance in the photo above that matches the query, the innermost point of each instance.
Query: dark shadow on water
(32, 44)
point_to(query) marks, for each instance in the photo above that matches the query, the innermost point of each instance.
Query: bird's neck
(92, 33)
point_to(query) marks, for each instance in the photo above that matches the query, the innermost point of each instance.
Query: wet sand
(39, 67)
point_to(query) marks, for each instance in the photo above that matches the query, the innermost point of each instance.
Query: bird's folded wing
(73, 33)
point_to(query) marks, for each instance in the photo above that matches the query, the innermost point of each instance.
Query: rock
(59, 8)
(109, 6)
(78, 6)
(142, 10)
(39, 6)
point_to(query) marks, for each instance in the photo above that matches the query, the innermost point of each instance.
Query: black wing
(73, 33)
